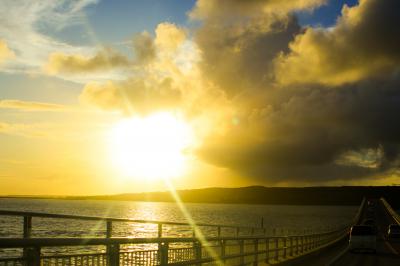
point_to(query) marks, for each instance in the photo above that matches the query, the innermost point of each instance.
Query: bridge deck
(387, 250)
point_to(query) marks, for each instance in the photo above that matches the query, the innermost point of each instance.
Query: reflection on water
(277, 218)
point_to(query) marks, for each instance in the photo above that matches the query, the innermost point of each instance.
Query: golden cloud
(228, 8)
(59, 63)
(169, 37)
(5, 52)
(132, 96)
(143, 45)
(23, 130)
(31, 106)
(363, 43)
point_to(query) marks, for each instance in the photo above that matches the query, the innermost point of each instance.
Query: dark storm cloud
(303, 134)
(329, 110)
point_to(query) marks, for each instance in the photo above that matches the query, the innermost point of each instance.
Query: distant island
(346, 195)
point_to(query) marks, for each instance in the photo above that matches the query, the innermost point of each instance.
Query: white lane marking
(391, 247)
(341, 254)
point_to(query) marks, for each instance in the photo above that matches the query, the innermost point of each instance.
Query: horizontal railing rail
(390, 210)
(29, 215)
(100, 218)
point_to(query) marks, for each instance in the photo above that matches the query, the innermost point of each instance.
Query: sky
(106, 97)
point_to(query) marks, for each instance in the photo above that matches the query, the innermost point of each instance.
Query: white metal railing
(231, 250)
(390, 210)
(227, 250)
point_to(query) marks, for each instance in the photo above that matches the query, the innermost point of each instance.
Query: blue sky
(325, 15)
(113, 22)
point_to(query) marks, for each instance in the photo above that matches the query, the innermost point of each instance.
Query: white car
(362, 237)
(393, 231)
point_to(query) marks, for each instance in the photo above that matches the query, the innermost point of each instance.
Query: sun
(151, 147)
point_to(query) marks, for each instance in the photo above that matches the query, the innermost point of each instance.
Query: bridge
(222, 245)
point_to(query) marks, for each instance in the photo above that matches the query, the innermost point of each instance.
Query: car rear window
(395, 228)
(362, 230)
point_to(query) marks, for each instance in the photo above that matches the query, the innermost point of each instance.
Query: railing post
(256, 252)
(27, 230)
(241, 246)
(113, 255)
(159, 234)
(223, 248)
(159, 230)
(27, 226)
(108, 235)
(284, 246)
(252, 231)
(237, 231)
(267, 250)
(109, 229)
(276, 248)
(163, 253)
(219, 231)
(197, 251)
(32, 256)
(291, 246)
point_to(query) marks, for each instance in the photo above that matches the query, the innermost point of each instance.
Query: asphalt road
(388, 251)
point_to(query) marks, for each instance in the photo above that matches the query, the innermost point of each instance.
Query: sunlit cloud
(24, 34)
(60, 63)
(368, 158)
(361, 45)
(5, 52)
(242, 9)
(31, 106)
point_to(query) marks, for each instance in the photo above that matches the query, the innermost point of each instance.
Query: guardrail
(390, 210)
(27, 223)
(221, 250)
(358, 216)
(196, 250)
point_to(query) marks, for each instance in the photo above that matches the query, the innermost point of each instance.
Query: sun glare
(151, 147)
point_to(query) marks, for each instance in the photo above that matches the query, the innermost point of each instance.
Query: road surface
(388, 251)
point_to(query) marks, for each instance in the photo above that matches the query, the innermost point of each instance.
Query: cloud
(317, 134)
(238, 56)
(23, 130)
(27, 34)
(78, 64)
(169, 37)
(31, 106)
(363, 43)
(132, 96)
(146, 49)
(143, 45)
(156, 80)
(308, 105)
(210, 9)
(5, 52)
